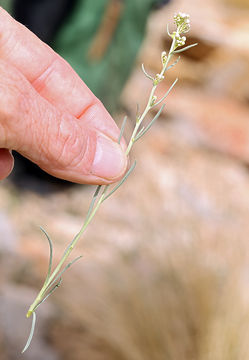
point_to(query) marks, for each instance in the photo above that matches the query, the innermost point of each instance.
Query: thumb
(6, 163)
(79, 150)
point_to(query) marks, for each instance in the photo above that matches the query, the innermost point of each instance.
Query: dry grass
(154, 303)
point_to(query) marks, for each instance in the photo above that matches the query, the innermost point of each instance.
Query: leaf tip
(31, 331)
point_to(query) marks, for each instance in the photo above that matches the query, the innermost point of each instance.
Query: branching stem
(150, 102)
(54, 277)
(94, 209)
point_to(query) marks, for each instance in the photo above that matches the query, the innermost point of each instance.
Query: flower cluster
(182, 22)
(183, 26)
(158, 78)
(179, 40)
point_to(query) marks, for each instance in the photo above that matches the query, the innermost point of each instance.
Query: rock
(218, 122)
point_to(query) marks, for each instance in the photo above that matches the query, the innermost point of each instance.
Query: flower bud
(153, 100)
(164, 57)
(158, 79)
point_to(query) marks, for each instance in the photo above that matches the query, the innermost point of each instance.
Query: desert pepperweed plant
(103, 192)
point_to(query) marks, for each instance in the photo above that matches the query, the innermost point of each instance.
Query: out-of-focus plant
(103, 192)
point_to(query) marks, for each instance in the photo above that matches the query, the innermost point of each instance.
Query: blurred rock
(217, 122)
(238, 3)
(8, 240)
(15, 327)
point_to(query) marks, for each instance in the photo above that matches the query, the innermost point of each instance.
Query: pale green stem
(149, 103)
(65, 256)
(148, 107)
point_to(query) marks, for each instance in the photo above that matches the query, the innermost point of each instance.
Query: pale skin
(50, 116)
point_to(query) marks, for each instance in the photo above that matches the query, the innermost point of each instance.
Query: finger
(6, 163)
(55, 140)
(51, 75)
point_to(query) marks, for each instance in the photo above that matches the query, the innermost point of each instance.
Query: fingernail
(110, 161)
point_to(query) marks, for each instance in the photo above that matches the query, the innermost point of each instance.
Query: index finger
(51, 75)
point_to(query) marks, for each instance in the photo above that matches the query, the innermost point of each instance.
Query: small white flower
(164, 57)
(158, 79)
(182, 22)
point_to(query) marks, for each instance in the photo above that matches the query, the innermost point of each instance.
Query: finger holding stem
(53, 278)
(95, 204)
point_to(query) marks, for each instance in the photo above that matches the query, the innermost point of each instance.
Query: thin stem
(53, 278)
(167, 93)
(149, 103)
(66, 254)
(93, 208)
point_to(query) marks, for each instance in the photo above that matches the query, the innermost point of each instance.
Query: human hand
(50, 116)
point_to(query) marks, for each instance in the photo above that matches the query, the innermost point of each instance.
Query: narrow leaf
(31, 332)
(65, 268)
(95, 195)
(167, 93)
(137, 112)
(50, 293)
(146, 74)
(50, 253)
(122, 129)
(150, 124)
(121, 181)
(168, 30)
(140, 132)
(184, 49)
(59, 282)
(174, 63)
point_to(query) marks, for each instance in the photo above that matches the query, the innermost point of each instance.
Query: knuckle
(70, 145)
(13, 101)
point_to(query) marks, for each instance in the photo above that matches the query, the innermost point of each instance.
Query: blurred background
(165, 268)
